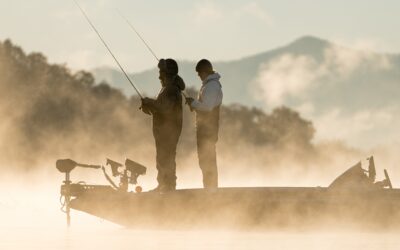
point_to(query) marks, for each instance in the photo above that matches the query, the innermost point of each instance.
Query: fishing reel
(127, 175)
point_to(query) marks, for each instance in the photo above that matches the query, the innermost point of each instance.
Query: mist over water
(50, 113)
(31, 219)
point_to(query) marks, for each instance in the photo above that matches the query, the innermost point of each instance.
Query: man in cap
(207, 108)
(166, 110)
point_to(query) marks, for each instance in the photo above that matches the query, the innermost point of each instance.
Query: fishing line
(144, 41)
(138, 34)
(109, 50)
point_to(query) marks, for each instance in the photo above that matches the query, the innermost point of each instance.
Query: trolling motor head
(65, 165)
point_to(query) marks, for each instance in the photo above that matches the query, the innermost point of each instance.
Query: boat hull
(258, 207)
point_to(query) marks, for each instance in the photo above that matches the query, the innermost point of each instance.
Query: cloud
(292, 76)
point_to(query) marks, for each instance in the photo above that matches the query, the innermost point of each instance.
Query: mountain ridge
(239, 75)
(336, 86)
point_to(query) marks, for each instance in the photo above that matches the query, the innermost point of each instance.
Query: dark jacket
(167, 108)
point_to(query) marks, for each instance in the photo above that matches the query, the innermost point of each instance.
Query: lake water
(118, 238)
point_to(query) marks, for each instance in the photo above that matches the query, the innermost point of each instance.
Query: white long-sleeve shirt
(210, 94)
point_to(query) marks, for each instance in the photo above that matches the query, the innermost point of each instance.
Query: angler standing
(207, 108)
(166, 110)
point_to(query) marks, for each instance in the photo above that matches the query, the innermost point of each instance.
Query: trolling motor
(68, 189)
(128, 175)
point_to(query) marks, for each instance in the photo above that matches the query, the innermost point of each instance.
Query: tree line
(48, 112)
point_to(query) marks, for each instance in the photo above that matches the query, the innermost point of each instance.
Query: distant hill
(363, 86)
(237, 75)
(350, 94)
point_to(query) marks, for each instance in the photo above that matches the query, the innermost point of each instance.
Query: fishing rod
(138, 34)
(142, 39)
(109, 50)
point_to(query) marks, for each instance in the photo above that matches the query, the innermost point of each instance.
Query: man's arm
(163, 103)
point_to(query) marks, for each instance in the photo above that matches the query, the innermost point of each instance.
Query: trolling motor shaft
(68, 189)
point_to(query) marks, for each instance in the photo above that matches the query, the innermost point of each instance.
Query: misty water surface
(31, 219)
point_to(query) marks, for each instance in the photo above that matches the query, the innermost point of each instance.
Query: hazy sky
(219, 30)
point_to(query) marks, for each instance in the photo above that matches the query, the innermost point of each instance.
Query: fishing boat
(353, 198)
